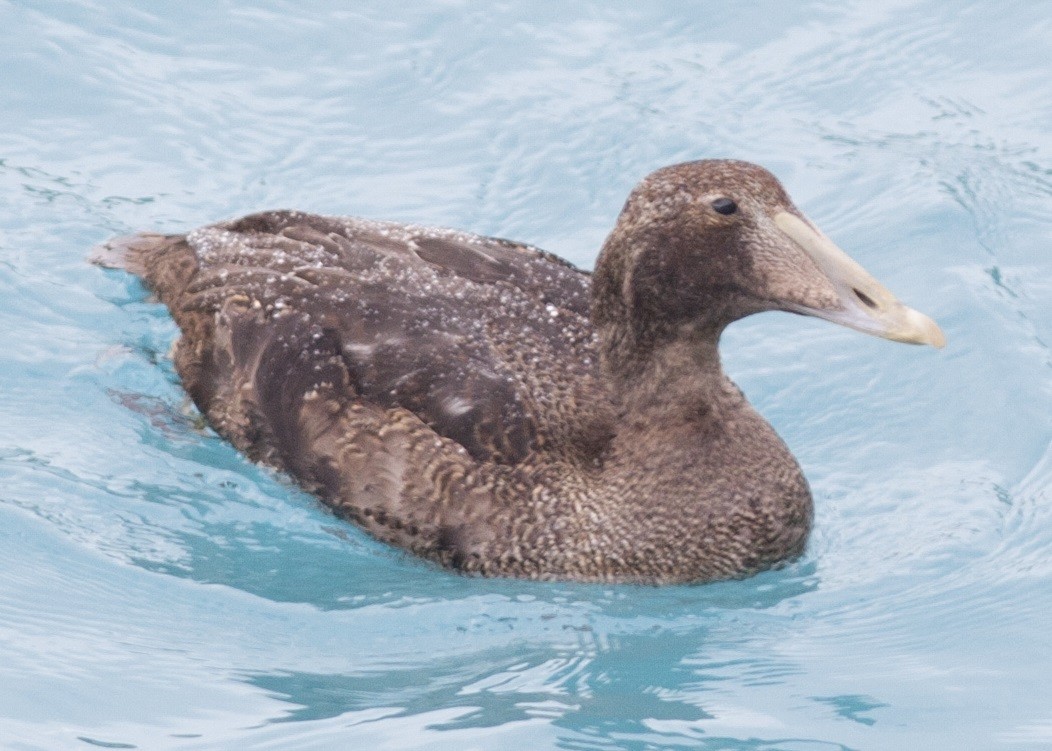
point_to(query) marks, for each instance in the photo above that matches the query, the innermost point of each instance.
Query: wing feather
(487, 342)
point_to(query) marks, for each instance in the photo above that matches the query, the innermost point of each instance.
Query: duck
(492, 408)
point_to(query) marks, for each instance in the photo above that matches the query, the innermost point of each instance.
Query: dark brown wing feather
(382, 363)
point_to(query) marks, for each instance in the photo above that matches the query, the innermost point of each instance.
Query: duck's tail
(164, 262)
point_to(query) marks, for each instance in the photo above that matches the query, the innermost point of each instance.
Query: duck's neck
(678, 379)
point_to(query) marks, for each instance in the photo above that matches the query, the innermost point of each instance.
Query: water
(159, 592)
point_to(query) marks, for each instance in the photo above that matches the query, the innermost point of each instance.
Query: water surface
(157, 591)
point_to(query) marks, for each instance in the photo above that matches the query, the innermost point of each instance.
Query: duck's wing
(485, 341)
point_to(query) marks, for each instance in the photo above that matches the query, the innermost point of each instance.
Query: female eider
(490, 407)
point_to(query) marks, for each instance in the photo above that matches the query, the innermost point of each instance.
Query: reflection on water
(158, 591)
(588, 660)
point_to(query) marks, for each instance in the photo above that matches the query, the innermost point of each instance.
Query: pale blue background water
(158, 592)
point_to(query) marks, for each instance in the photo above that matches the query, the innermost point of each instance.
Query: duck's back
(317, 344)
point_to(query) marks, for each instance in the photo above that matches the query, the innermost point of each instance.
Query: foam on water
(158, 591)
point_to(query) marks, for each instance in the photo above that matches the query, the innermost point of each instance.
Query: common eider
(494, 409)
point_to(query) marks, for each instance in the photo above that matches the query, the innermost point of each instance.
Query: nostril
(866, 299)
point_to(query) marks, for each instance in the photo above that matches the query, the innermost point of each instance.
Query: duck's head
(702, 244)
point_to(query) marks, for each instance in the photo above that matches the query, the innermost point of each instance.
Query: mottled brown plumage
(492, 408)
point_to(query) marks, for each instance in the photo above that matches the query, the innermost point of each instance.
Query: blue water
(157, 591)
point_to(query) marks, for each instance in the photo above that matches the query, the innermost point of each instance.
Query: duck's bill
(864, 303)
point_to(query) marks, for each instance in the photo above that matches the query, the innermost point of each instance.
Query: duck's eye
(724, 206)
